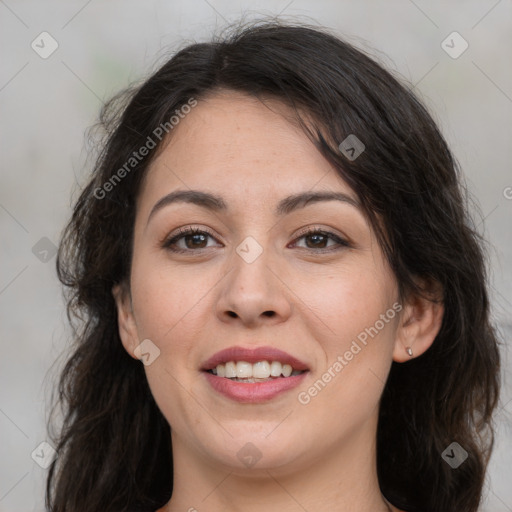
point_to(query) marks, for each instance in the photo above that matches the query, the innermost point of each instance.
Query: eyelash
(188, 231)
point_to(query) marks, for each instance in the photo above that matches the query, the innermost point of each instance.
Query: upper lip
(253, 355)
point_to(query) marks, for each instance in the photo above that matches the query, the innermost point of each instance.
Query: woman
(281, 298)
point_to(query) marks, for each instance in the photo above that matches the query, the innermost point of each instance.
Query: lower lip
(253, 392)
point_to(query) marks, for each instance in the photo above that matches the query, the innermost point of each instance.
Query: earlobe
(420, 323)
(125, 319)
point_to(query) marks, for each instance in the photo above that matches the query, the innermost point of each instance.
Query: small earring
(409, 351)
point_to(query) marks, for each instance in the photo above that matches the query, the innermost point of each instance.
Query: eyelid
(341, 240)
(184, 231)
(318, 228)
(181, 232)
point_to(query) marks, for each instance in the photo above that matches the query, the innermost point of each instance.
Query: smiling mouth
(261, 371)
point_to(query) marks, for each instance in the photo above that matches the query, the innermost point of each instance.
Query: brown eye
(318, 240)
(192, 238)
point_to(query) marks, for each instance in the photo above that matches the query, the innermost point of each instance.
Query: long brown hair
(114, 446)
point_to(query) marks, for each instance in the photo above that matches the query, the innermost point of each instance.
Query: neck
(341, 479)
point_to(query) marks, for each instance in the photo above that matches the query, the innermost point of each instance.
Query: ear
(420, 322)
(125, 319)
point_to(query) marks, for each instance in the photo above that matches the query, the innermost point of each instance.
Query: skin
(317, 456)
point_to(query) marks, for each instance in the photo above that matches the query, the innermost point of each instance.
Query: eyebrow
(216, 203)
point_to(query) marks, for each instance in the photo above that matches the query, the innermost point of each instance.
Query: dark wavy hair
(114, 446)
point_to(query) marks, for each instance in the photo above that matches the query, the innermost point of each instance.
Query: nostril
(269, 313)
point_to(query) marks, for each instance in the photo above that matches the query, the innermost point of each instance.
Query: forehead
(243, 148)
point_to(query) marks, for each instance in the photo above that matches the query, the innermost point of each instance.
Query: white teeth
(230, 369)
(275, 368)
(287, 370)
(259, 370)
(243, 370)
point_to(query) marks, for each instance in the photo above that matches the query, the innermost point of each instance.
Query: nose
(254, 293)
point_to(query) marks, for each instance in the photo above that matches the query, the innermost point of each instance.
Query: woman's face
(250, 279)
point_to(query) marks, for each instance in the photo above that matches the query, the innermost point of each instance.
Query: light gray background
(47, 104)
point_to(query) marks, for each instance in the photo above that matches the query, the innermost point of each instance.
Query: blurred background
(62, 60)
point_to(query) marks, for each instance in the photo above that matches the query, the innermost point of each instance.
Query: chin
(253, 453)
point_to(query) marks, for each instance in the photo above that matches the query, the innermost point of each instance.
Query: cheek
(356, 329)
(343, 303)
(345, 391)
(168, 301)
(168, 305)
